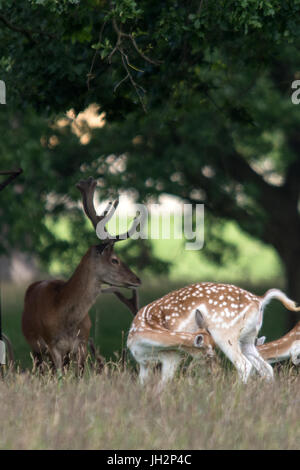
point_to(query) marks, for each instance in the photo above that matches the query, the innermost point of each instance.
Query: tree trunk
(283, 233)
(292, 275)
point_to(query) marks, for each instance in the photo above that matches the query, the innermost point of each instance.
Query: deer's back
(176, 310)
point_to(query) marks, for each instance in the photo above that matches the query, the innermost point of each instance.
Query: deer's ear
(200, 320)
(104, 248)
(100, 248)
(260, 341)
(199, 340)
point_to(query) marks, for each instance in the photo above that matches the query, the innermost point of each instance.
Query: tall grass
(200, 409)
(203, 408)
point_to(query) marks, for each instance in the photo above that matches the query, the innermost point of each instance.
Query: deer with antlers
(286, 347)
(228, 316)
(55, 319)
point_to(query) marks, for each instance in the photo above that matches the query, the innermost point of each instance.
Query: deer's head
(109, 269)
(203, 338)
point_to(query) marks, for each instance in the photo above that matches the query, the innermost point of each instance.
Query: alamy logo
(189, 225)
(2, 92)
(295, 95)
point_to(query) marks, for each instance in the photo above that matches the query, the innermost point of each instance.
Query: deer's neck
(80, 291)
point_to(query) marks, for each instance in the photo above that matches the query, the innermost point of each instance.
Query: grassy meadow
(204, 408)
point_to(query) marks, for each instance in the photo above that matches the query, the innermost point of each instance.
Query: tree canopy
(197, 103)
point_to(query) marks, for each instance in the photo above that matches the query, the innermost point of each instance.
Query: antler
(87, 189)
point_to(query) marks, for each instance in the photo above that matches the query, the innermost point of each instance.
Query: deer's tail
(277, 294)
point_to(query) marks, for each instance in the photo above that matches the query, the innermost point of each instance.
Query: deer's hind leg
(144, 353)
(170, 361)
(232, 349)
(81, 356)
(82, 349)
(247, 341)
(263, 368)
(57, 359)
(144, 372)
(38, 362)
(147, 351)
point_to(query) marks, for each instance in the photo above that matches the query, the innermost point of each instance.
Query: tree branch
(134, 84)
(120, 34)
(26, 32)
(90, 75)
(118, 47)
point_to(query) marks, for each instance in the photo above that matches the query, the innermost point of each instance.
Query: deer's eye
(115, 261)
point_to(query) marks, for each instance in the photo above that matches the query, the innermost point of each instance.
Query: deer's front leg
(81, 359)
(57, 360)
(170, 361)
(234, 353)
(144, 372)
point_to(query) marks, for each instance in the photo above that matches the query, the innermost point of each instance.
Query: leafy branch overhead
(123, 42)
(162, 49)
(215, 80)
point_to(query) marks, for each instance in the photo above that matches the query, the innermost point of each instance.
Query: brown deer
(286, 347)
(231, 315)
(55, 319)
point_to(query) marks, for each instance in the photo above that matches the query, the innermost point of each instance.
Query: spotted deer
(286, 347)
(55, 318)
(231, 315)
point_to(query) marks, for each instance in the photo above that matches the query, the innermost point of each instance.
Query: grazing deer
(55, 318)
(286, 347)
(231, 315)
(155, 336)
